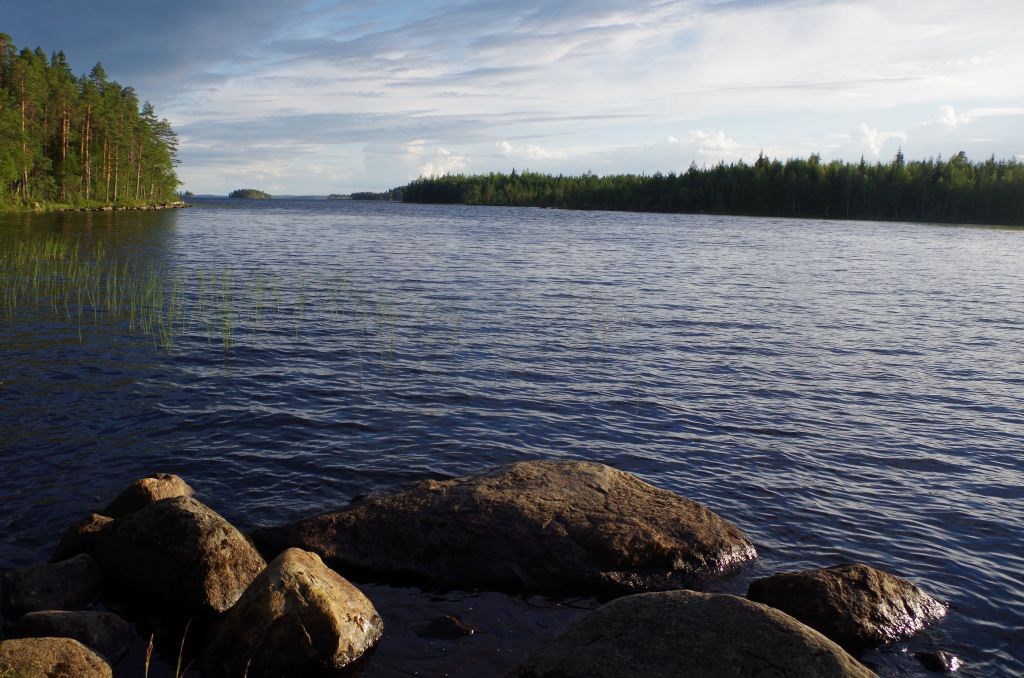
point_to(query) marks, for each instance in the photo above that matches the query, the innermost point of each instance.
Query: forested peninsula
(68, 141)
(934, 190)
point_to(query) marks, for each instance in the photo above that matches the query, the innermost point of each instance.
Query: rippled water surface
(839, 390)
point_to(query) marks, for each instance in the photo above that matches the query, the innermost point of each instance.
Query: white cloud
(948, 119)
(529, 152)
(945, 118)
(996, 112)
(870, 141)
(442, 162)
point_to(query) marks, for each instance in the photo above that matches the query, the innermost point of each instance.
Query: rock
(684, 633)
(146, 491)
(80, 538)
(939, 662)
(179, 553)
(297, 618)
(536, 526)
(104, 632)
(52, 658)
(855, 605)
(72, 584)
(446, 627)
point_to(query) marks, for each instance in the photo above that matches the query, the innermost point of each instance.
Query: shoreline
(933, 222)
(47, 208)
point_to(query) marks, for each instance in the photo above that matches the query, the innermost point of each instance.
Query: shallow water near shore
(840, 390)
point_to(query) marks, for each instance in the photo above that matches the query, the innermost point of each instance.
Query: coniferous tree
(954, 190)
(77, 140)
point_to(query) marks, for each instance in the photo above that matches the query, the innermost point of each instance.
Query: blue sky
(322, 96)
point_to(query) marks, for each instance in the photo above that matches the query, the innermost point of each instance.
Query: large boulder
(298, 618)
(684, 633)
(179, 553)
(71, 584)
(855, 605)
(104, 632)
(146, 491)
(51, 658)
(80, 537)
(535, 526)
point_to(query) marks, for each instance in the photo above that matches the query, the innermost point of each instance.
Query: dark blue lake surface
(840, 390)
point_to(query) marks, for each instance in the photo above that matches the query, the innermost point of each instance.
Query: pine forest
(77, 141)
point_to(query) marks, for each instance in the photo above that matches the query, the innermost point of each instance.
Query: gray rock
(536, 526)
(855, 605)
(146, 491)
(104, 632)
(52, 658)
(696, 635)
(298, 618)
(80, 538)
(180, 554)
(72, 584)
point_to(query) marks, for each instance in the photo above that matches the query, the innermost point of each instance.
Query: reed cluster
(88, 289)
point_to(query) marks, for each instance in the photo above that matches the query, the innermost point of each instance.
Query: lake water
(840, 390)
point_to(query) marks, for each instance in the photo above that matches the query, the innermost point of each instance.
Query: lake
(840, 390)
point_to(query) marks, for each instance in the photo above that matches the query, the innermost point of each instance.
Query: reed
(95, 293)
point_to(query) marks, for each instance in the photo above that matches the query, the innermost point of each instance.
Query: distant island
(956, 190)
(339, 196)
(249, 194)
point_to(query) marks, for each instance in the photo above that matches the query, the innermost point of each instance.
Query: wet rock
(939, 662)
(104, 632)
(146, 491)
(855, 605)
(298, 618)
(446, 627)
(51, 658)
(536, 526)
(180, 554)
(80, 538)
(684, 633)
(72, 584)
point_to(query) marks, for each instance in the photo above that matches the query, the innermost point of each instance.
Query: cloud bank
(328, 96)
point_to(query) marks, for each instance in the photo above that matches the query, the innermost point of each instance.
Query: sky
(321, 96)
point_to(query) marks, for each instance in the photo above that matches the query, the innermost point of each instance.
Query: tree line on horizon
(77, 140)
(953, 190)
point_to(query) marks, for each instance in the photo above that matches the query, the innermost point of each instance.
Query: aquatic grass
(96, 292)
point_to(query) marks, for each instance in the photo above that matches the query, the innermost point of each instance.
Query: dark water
(839, 390)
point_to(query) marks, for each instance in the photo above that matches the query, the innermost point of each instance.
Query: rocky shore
(278, 603)
(41, 207)
(131, 208)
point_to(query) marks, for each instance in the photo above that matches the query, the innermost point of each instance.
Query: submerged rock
(298, 618)
(684, 633)
(51, 658)
(181, 554)
(446, 627)
(536, 526)
(72, 584)
(104, 632)
(856, 605)
(146, 491)
(80, 538)
(939, 662)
